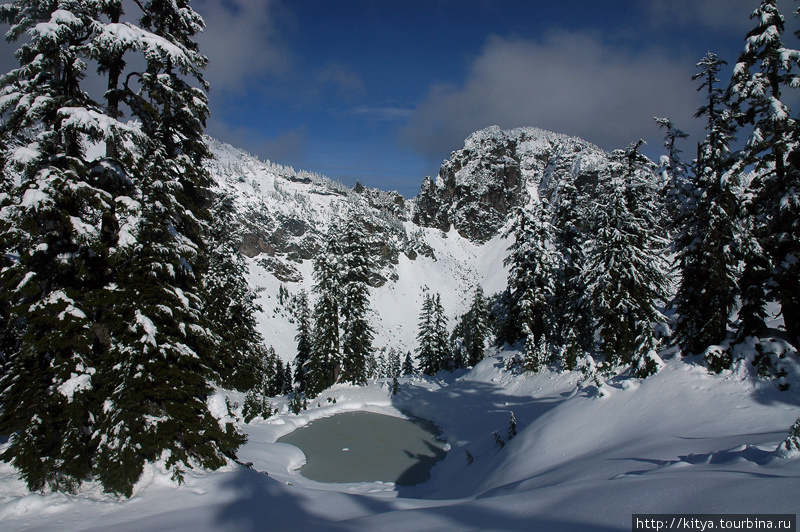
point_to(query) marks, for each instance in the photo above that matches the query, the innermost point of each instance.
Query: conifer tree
(112, 251)
(277, 382)
(709, 245)
(325, 361)
(572, 310)
(395, 367)
(54, 214)
(675, 169)
(476, 328)
(230, 306)
(792, 441)
(533, 263)
(763, 71)
(303, 338)
(172, 411)
(441, 344)
(288, 380)
(675, 173)
(626, 274)
(503, 319)
(408, 364)
(357, 334)
(434, 349)
(425, 337)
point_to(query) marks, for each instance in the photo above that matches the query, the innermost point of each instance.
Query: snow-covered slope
(448, 240)
(284, 216)
(680, 441)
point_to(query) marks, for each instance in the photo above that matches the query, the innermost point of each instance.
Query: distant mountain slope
(479, 186)
(448, 240)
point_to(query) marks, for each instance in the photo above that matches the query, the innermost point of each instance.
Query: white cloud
(242, 41)
(572, 83)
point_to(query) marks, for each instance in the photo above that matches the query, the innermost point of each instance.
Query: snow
(123, 36)
(26, 154)
(76, 383)
(148, 328)
(680, 441)
(50, 30)
(34, 199)
(584, 458)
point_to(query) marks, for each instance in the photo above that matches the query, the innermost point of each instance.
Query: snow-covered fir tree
(471, 332)
(434, 350)
(302, 317)
(394, 363)
(674, 172)
(324, 363)
(50, 234)
(270, 383)
(765, 69)
(441, 339)
(112, 250)
(230, 306)
(166, 285)
(341, 342)
(572, 310)
(408, 364)
(357, 333)
(533, 263)
(626, 273)
(709, 243)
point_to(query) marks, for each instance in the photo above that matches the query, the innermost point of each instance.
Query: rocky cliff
(478, 188)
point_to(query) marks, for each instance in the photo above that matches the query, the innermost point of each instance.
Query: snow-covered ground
(459, 266)
(681, 441)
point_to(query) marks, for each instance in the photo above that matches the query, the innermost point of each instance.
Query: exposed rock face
(480, 185)
(282, 215)
(280, 235)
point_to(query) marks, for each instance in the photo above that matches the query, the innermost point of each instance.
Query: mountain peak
(496, 171)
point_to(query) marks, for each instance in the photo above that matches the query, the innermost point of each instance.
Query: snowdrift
(680, 441)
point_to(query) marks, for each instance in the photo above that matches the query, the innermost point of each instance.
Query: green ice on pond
(368, 447)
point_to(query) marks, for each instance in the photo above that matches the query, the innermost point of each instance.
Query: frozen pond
(367, 447)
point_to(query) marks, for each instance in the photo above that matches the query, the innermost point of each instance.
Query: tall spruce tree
(324, 365)
(434, 349)
(574, 323)
(471, 332)
(110, 363)
(303, 338)
(533, 263)
(441, 344)
(626, 273)
(229, 305)
(425, 337)
(51, 234)
(675, 172)
(408, 364)
(709, 244)
(763, 71)
(357, 334)
(172, 344)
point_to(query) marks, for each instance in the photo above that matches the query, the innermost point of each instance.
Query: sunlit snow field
(681, 441)
(583, 459)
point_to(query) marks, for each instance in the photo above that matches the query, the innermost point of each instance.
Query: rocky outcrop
(478, 188)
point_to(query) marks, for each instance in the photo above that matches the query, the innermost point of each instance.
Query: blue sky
(382, 91)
